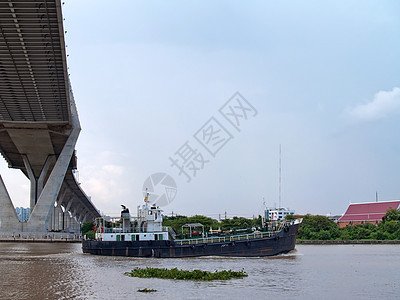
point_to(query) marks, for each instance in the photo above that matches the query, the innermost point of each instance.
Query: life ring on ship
(192, 246)
(233, 243)
(168, 243)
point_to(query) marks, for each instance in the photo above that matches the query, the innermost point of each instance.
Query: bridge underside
(39, 124)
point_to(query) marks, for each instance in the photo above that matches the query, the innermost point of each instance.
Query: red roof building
(360, 213)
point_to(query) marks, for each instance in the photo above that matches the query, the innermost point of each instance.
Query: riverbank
(38, 240)
(51, 237)
(347, 242)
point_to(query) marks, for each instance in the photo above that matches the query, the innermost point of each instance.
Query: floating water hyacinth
(146, 290)
(174, 273)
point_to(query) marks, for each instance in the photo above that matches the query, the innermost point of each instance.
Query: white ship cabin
(147, 226)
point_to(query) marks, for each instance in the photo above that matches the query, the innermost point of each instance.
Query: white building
(275, 214)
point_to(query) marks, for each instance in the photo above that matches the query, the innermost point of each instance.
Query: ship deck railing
(237, 237)
(120, 230)
(231, 238)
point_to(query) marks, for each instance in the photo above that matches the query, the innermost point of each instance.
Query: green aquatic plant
(174, 273)
(146, 290)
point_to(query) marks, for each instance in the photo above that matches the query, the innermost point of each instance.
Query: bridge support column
(8, 217)
(40, 217)
(60, 215)
(36, 182)
(61, 197)
(56, 220)
(64, 215)
(66, 221)
(75, 227)
(33, 181)
(43, 173)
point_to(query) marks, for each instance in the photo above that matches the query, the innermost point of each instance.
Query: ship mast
(280, 175)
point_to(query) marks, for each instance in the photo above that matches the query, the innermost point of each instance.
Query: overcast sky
(320, 78)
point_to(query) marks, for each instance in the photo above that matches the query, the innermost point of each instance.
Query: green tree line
(322, 228)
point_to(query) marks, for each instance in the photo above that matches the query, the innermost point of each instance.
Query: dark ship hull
(281, 242)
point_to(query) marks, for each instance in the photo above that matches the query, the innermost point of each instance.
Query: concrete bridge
(39, 124)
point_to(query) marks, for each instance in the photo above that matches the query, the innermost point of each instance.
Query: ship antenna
(280, 175)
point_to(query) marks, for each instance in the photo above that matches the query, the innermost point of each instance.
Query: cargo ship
(144, 236)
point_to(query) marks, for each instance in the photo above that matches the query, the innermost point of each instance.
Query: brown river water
(62, 271)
